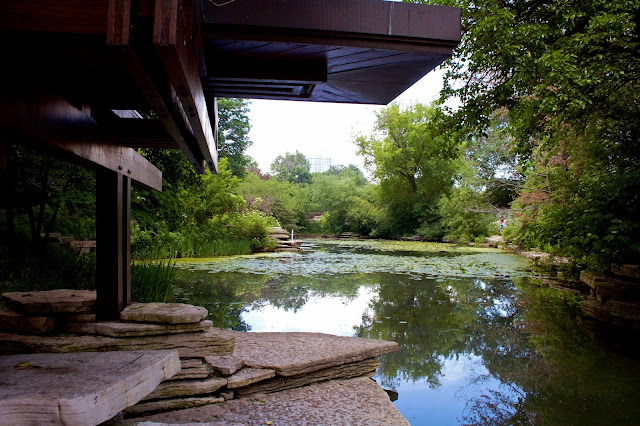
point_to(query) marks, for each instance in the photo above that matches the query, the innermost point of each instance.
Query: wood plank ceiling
(353, 51)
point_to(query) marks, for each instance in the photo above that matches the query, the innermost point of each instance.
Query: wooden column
(113, 251)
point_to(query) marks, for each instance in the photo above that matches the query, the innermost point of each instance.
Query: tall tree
(233, 133)
(294, 168)
(410, 157)
(567, 74)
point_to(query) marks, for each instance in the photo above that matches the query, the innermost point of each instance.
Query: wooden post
(113, 235)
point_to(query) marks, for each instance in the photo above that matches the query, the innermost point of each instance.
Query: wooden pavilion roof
(355, 51)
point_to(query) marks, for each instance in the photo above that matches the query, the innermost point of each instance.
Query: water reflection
(475, 348)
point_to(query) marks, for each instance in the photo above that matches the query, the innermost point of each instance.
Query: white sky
(319, 129)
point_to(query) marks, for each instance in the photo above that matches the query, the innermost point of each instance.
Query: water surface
(481, 342)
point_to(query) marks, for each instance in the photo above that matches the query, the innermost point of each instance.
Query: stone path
(358, 401)
(78, 389)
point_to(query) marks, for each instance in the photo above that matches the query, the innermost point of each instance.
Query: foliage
(566, 74)
(294, 168)
(47, 195)
(233, 133)
(199, 217)
(287, 202)
(152, 281)
(346, 199)
(410, 157)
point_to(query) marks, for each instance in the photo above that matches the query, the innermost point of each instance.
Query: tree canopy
(233, 133)
(294, 168)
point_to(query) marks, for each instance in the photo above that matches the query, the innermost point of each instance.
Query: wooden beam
(113, 239)
(51, 120)
(62, 16)
(172, 39)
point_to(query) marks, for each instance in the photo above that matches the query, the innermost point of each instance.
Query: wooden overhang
(353, 51)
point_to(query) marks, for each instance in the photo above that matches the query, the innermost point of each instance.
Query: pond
(481, 341)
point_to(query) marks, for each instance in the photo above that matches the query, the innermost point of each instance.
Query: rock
(338, 402)
(172, 404)
(18, 323)
(188, 345)
(291, 354)
(591, 279)
(627, 271)
(613, 289)
(227, 365)
(247, 376)
(52, 301)
(67, 318)
(366, 368)
(227, 395)
(174, 388)
(193, 368)
(79, 389)
(132, 329)
(165, 313)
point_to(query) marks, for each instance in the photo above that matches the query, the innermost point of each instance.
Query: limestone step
(188, 345)
(359, 401)
(78, 389)
(52, 301)
(164, 313)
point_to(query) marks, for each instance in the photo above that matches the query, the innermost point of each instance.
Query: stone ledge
(52, 301)
(164, 313)
(79, 389)
(359, 401)
(188, 345)
(291, 354)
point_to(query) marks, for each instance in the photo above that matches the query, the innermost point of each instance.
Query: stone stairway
(216, 365)
(82, 247)
(285, 243)
(614, 299)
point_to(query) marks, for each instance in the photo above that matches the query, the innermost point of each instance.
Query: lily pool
(481, 341)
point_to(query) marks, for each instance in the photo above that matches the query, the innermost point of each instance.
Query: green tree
(233, 133)
(346, 199)
(567, 74)
(287, 202)
(410, 157)
(294, 168)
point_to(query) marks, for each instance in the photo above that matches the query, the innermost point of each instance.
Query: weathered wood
(78, 389)
(118, 22)
(50, 119)
(172, 40)
(69, 16)
(113, 251)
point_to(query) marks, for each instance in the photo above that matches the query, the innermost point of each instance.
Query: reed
(153, 280)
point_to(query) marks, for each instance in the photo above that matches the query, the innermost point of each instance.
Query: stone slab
(51, 301)
(83, 388)
(164, 313)
(366, 368)
(338, 402)
(82, 317)
(188, 345)
(15, 322)
(290, 354)
(176, 388)
(226, 365)
(193, 368)
(172, 404)
(133, 329)
(247, 376)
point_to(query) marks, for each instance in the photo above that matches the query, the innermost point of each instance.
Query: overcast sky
(319, 129)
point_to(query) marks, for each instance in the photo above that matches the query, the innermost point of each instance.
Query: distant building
(319, 164)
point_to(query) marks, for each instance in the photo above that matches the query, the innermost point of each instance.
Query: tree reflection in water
(525, 358)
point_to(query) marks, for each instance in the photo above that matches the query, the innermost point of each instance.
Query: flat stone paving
(78, 388)
(358, 401)
(290, 354)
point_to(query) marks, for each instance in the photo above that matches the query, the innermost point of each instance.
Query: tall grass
(153, 280)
